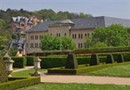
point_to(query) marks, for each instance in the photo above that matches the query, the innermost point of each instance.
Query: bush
(126, 57)
(19, 62)
(30, 60)
(120, 58)
(110, 59)
(62, 71)
(3, 73)
(71, 62)
(103, 50)
(20, 83)
(94, 60)
(51, 62)
(83, 60)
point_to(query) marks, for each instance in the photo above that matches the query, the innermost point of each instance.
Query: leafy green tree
(114, 35)
(56, 43)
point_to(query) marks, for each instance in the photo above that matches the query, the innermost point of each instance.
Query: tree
(56, 43)
(114, 35)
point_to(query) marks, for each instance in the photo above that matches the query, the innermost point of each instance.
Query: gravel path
(80, 78)
(85, 79)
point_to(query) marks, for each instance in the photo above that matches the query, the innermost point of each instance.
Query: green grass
(117, 70)
(54, 86)
(25, 73)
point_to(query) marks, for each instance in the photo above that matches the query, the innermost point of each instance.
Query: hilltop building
(78, 29)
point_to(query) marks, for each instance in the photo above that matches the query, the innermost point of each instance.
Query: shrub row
(20, 83)
(19, 62)
(103, 50)
(82, 70)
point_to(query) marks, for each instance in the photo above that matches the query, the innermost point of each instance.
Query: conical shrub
(109, 59)
(94, 60)
(71, 62)
(120, 58)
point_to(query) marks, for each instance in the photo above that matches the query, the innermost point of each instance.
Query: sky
(112, 8)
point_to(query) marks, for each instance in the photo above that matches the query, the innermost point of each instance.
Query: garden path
(80, 78)
(85, 79)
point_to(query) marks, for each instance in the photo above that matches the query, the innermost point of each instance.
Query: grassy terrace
(25, 73)
(53, 86)
(122, 70)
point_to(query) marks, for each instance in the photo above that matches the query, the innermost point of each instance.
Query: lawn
(54, 86)
(117, 70)
(25, 73)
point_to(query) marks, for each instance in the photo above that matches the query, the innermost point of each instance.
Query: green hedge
(19, 62)
(94, 60)
(20, 83)
(103, 50)
(71, 62)
(52, 62)
(30, 60)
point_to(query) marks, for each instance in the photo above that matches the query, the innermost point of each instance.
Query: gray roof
(83, 23)
(41, 26)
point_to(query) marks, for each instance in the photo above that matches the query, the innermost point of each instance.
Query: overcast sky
(113, 8)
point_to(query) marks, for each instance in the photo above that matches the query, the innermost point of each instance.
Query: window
(81, 46)
(81, 35)
(58, 34)
(65, 34)
(32, 37)
(78, 45)
(31, 45)
(36, 45)
(85, 34)
(75, 36)
(36, 37)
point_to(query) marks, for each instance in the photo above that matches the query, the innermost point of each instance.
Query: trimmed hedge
(30, 60)
(82, 69)
(109, 59)
(19, 62)
(94, 60)
(20, 83)
(51, 62)
(71, 62)
(103, 50)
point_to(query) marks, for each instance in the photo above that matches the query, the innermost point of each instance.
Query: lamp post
(36, 67)
(9, 66)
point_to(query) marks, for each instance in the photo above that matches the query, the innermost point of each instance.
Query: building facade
(78, 29)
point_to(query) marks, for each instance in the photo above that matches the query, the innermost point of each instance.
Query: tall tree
(114, 35)
(57, 43)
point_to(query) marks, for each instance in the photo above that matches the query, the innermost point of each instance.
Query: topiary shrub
(52, 62)
(94, 60)
(18, 82)
(109, 59)
(120, 58)
(30, 60)
(19, 62)
(71, 62)
(3, 73)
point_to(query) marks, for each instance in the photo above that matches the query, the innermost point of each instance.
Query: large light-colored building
(78, 29)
